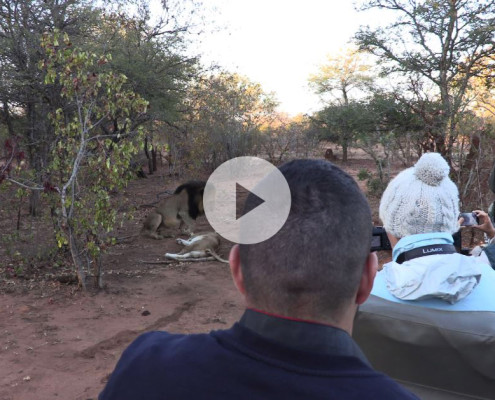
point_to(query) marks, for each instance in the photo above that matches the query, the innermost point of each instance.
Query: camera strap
(429, 250)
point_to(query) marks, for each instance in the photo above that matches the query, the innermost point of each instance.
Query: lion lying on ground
(199, 246)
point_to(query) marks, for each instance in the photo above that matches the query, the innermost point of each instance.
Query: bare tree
(444, 42)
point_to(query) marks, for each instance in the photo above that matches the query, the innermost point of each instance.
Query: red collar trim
(290, 318)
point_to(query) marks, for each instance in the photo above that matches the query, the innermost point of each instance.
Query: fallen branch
(178, 261)
(158, 262)
(119, 240)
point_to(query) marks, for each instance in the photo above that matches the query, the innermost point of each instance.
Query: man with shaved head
(302, 288)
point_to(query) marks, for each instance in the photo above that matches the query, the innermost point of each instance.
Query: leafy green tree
(283, 138)
(25, 100)
(151, 52)
(381, 125)
(151, 49)
(152, 56)
(224, 115)
(336, 79)
(440, 46)
(342, 74)
(87, 162)
(340, 123)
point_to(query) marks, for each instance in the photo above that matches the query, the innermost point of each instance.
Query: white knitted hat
(421, 199)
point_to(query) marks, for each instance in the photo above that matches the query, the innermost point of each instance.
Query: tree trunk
(98, 274)
(345, 145)
(36, 134)
(146, 152)
(34, 201)
(76, 259)
(7, 119)
(153, 158)
(19, 208)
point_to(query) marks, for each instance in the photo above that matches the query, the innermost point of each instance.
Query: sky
(280, 43)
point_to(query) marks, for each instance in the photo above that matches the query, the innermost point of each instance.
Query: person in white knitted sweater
(419, 210)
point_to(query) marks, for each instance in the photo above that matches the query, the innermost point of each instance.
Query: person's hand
(485, 223)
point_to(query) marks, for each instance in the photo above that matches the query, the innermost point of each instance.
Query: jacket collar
(302, 335)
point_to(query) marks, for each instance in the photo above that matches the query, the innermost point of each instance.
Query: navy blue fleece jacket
(243, 363)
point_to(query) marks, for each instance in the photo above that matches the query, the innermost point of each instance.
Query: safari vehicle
(437, 354)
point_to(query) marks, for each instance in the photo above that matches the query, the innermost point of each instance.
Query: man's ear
(367, 278)
(235, 269)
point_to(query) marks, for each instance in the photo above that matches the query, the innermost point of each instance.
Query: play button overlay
(241, 194)
(227, 190)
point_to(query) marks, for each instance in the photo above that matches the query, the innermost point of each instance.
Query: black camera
(470, 219)
(379, 239)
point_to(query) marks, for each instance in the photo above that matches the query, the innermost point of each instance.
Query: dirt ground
(60, 342)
